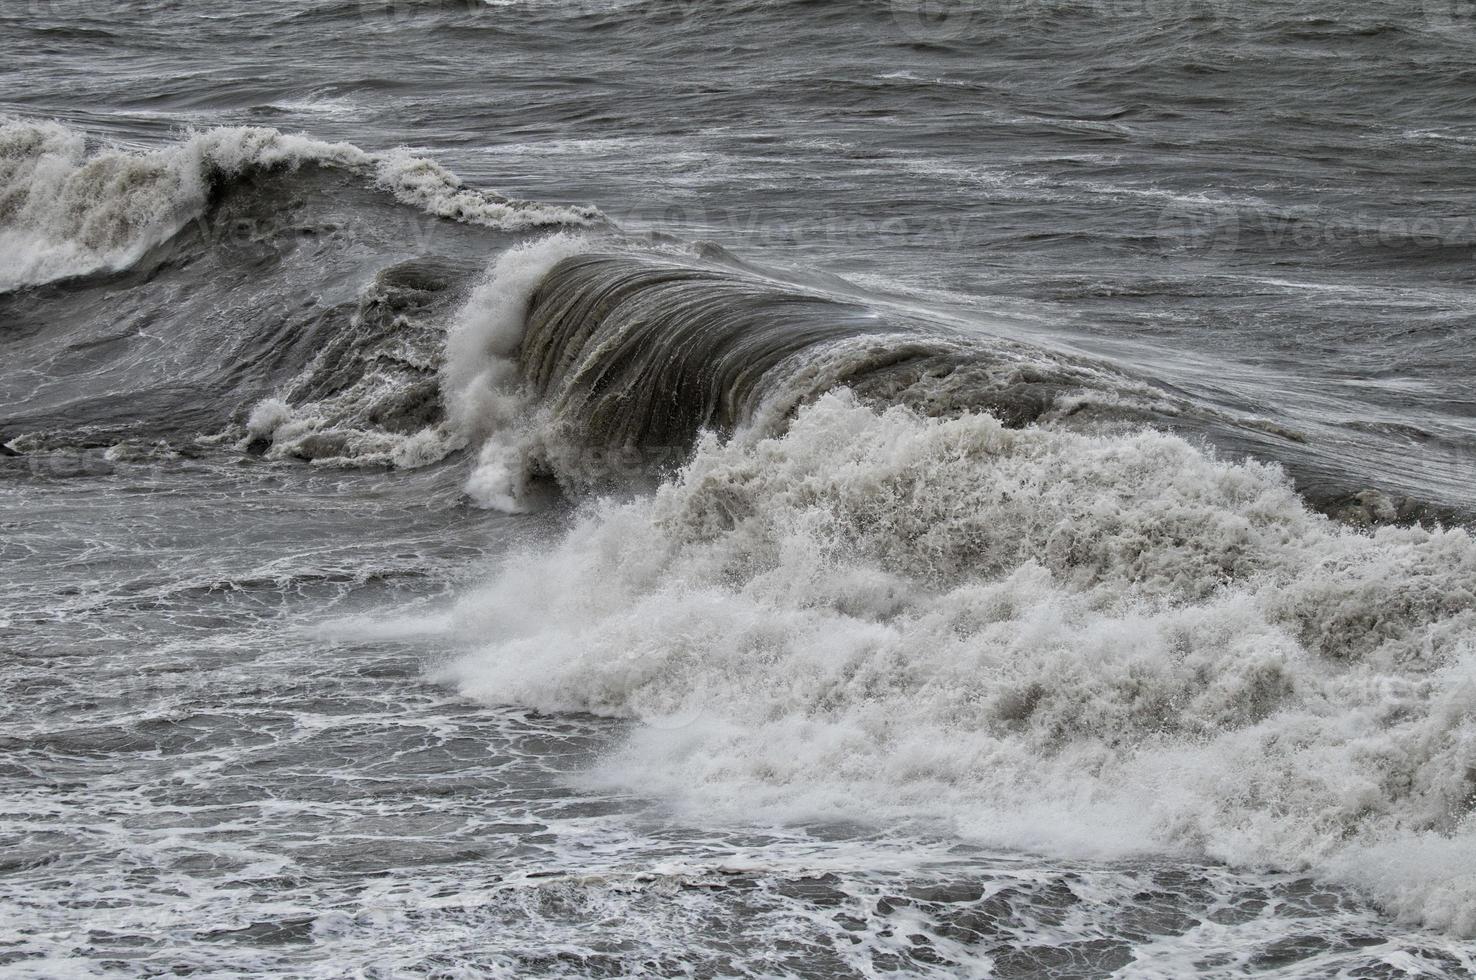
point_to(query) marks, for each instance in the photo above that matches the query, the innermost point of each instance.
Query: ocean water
(607, 488)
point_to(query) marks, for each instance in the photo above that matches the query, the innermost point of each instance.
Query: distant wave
(68, 208)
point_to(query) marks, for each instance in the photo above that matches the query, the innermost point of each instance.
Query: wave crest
(70, 209)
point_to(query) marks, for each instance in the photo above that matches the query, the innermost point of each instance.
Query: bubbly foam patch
(70, 209)
(1084, 645)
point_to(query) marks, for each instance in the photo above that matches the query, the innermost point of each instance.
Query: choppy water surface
(758, 488)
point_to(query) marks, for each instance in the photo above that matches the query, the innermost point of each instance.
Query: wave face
(631, 352)
(619, 355)
(600, 361)
(603, 366)
(1098, 645)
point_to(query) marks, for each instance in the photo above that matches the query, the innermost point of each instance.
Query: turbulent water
(761, 488)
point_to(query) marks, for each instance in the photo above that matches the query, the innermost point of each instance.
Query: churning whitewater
(994, 621)
(589, 490)
(1076, 645)
(1022, 632)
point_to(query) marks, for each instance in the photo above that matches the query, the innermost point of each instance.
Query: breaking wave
(241, 286)
(890, 568)
(599, 361)
(70, 208)
(897, 572)
(576, 359)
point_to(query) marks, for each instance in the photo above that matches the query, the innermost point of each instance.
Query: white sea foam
(1084, 645)
(436, 190)
(476, 377)
(482, 386)
(68, 209)
(267, 417)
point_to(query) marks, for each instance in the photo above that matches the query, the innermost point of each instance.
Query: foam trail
(1073, 643)
(67, 209)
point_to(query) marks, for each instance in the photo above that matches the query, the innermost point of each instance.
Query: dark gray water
(1106, 627)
